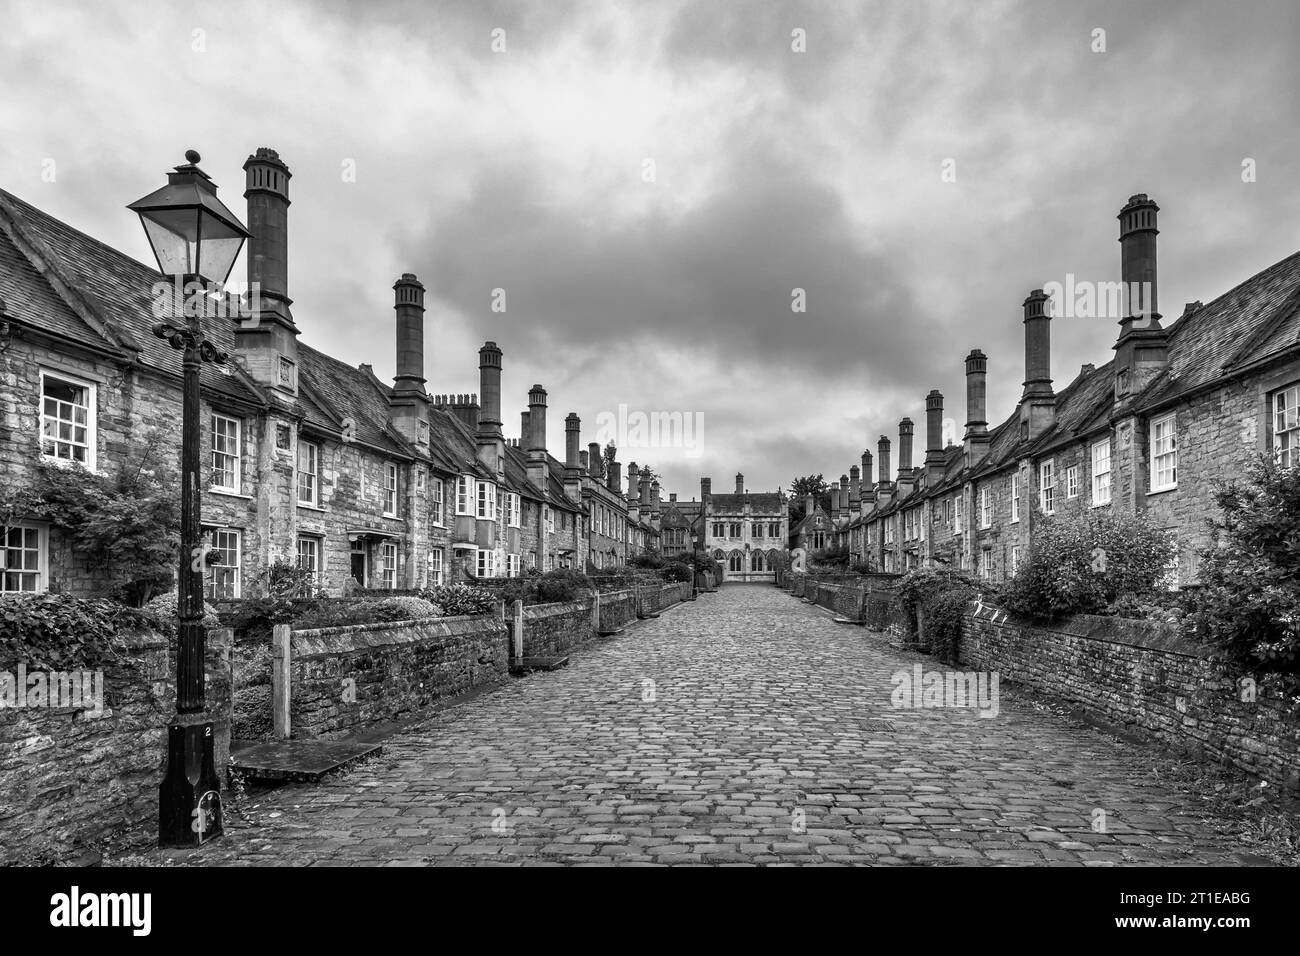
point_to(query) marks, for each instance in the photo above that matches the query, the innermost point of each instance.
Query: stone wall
(617, 608)
(70, 779)
(345, 678)
(1145, 678)
(552, 630)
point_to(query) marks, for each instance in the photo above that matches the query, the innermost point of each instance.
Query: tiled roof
(765, 502)
(115, 290)
(1254, 321)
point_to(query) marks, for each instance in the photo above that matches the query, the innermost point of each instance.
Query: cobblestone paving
(770, 739)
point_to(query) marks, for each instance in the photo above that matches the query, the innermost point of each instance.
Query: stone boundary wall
(70, 779)
(343, 679)
(1147, 678)
(552, 630)
(870, 599)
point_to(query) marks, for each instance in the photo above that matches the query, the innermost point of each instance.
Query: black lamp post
(195, 239)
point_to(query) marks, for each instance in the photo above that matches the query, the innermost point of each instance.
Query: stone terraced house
(311, 460)
(1178, 410)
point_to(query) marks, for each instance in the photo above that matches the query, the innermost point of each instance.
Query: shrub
(457, 599)
(125, 524)
(1248, 598)
(403, 609)
(56, 632)
(830, 558)
(285, 579)
(943, 596)
(165, 608)
(1083, 563)
(552, 587)
(678, 571)
(650, 560)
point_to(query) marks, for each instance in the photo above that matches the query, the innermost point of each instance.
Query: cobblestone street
(767, 736)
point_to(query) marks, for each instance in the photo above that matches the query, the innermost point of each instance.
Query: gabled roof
(766, 502)
(332, 392)
(67, 283)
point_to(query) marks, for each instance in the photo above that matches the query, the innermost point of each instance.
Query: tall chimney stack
(408, 304)
(706, 489)
(934, 435)
(1142, 349)
(525, 435)
(855, 488)
(632, 471)
(868, 486)
(584, 462)
(976, 439)
(614, 476)
(535, 438)
(269, 346)
(408, 401)
(904, 449)
(740, 483)
(489, 375)
(593, 459)
(885, 485)
(644, 490)
(1038, 401)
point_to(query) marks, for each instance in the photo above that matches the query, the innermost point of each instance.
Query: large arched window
(757, 562)
(736, 561)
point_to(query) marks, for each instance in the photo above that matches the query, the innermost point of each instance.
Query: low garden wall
(1146, 678)
(71, 779)
(343, 679)
(869, 599)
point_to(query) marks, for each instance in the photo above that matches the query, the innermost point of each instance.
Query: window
(889, 531)
(388, 565)
(308, 476)
(758, 529)
(717, 529)
(1101, 473)
(464, 492)
(532, 559)
(947, 512)
(957, 509)
(1072, 481)
(499, 502)
(512, 509)
(22, 558)
(986, 563)
(1164, 454)
(1015, 497)
(986, 507)
(734, 529)
(309, 558)
(512, 565)
(1015, 558)
(487, 500)
(736, 561)
(435, 501)
(223, 579)
(390, 489)
(758, 561)
(225, 453)
(1047, 487)
(819, 540)
(487, 563)
(774, 530)
(67, 420)
(1286, 425)
(435, 567)
(550, 562)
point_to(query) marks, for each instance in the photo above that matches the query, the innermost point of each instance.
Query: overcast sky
(773, 170)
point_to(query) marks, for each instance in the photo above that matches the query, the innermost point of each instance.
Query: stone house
(747, 532)
(1176, 412)
(310, 460)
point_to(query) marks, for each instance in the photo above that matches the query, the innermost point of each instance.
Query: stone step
(297, 760)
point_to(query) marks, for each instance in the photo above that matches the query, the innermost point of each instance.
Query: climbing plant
(125, 524)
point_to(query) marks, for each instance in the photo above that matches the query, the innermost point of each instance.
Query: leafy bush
(286, 579)
(56, 632)
(458, 599)
(552, 587)
(650, 560)
(165, 608)
(1083, 563)
(830, 558)
(404, 609)
(943, 596)
(1248, 598)
(126, 524)
(678, 571)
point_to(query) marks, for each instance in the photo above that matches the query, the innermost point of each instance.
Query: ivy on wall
(125, 524)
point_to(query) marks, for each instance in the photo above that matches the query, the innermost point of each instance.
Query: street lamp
(195, 239)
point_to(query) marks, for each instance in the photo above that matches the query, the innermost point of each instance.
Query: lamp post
(195, 239)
